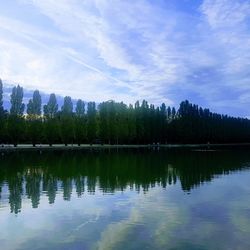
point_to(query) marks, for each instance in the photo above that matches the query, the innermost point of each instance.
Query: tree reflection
(15, 184)
(33, 178)
(50, 186)
(32, 175)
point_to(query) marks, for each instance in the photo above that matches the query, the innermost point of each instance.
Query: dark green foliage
(80, 122)
(3, 116)
(34, 106)
(51, 131)
(3, 129)
(30, 107)
(115, 123)
(131, 122)
(16, 129)
(80, 108)
(16, 123)
(106, 121)
(197, 125)
(66, 121)
(67, 107)
(51, 108)
(16, 100)
(91, 122)
(34, 120)
(51, 123)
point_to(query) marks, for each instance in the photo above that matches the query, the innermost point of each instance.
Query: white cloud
(107, 41)
(225, 13)
(130, 50)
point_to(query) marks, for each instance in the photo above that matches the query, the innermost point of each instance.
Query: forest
(113, 122)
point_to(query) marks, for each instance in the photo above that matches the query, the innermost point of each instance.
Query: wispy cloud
(130, 50)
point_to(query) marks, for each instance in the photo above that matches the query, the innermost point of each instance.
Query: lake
(125, 199)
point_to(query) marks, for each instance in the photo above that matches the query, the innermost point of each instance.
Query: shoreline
(74, 147)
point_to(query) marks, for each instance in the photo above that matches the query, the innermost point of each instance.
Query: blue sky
(161, 50)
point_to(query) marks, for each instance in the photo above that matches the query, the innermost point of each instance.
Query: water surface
(130, 199)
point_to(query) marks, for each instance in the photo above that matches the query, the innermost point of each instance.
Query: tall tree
(66, 121)
(35, 104)
(34, 120)
(121, 126)
(67, 107)
(16, 100)
(80, 122)
(3, 117)
(131, 125)
(51, 108)
(80, 108)
(115, 122)
(91, 122)
(163, 124)
(16, 125)
(51, 123)
(30, 108)
(103, 123)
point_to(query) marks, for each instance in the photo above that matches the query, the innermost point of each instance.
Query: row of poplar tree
(113, 123)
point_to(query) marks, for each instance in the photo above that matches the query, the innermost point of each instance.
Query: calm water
(125, 200)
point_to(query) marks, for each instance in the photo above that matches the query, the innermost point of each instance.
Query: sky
(128, 50)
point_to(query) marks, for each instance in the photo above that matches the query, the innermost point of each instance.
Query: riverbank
(61, 147)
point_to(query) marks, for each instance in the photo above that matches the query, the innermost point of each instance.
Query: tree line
(113, 122)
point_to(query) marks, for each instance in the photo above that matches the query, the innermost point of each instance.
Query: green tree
(80, 108)
(51, 122)
(51, 108)
(116, 122)
(131, 125)
(67, 107)
(3, 117)
(16, 124)
(80, 122)
(121, 123)
(34, 119)
(103, 122)
(66, 121)
(91, 122)
(163, 123)
(16, 100)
